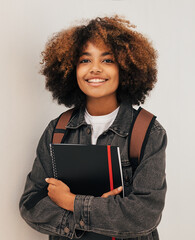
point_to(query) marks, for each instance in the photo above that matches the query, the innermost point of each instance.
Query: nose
(95, 68)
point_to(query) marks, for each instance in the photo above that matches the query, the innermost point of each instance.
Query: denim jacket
(136, 216)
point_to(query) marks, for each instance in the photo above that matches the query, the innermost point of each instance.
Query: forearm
(128, 217)
(45, 216)
(37, 209)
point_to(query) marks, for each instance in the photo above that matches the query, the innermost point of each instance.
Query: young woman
(102, 69)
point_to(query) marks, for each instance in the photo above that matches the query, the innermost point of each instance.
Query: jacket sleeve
(137, 214)
(36, 208)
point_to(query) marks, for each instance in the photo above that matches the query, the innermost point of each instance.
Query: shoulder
(48, 131)
(46, 136)
(157, 127)
(53, 123)
(156, 137)
(157, 141)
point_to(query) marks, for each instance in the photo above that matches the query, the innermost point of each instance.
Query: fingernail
(46, 179)
(120, 188)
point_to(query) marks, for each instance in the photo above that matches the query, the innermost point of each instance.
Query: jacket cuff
(68, 226)
(82, 212)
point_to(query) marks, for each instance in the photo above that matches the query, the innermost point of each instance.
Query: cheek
(116, 77)
(79, 77)
(78, 74)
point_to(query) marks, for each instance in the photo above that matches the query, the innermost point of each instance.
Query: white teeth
(96, 80)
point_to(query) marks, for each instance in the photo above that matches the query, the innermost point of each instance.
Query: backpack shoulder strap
(138, 137)
(139, 133)
(60, 127)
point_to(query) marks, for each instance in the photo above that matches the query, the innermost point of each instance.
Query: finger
(52, 181)
(113, 192)
(51, 187)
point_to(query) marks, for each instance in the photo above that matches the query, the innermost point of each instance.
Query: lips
(96, 80)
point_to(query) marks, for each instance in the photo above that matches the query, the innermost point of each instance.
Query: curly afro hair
(133, 52)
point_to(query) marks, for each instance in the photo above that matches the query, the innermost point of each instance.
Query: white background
(26, 107)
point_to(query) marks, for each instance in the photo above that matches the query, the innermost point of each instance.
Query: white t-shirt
(100, 123)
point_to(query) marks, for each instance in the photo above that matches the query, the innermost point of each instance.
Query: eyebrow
(103, 54)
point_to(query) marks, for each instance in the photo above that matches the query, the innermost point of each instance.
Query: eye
(84, 61)
(108, 61)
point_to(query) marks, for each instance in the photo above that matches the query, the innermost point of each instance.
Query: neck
(98, 107)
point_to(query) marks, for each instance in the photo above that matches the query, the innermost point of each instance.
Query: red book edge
(110, 170)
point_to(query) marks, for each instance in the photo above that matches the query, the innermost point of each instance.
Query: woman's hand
(113, 192)
(60, 194)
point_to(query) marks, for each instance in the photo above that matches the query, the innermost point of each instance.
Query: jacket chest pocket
(127, 177)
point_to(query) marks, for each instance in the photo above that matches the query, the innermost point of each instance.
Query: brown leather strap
(139, 131)
(61, 126)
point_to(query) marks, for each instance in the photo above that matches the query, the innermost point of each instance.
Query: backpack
(139, 132)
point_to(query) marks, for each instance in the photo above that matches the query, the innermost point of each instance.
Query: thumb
(113, 192)
(51, 181)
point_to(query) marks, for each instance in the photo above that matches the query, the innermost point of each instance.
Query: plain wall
(27, 108)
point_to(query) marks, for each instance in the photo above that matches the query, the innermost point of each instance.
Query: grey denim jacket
(136, 216)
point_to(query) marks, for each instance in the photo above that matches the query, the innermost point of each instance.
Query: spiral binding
(53, 161)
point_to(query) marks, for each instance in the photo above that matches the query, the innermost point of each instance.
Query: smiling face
(97, 72)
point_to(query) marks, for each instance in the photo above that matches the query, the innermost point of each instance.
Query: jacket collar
(123, 120)
(120, 126)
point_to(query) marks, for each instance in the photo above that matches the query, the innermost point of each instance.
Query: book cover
(87, 169)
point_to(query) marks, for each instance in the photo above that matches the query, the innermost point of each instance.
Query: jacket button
(88, 130)
(66, 230)
(82, 224)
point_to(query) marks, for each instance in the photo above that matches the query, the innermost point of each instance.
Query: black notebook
(87, 169)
